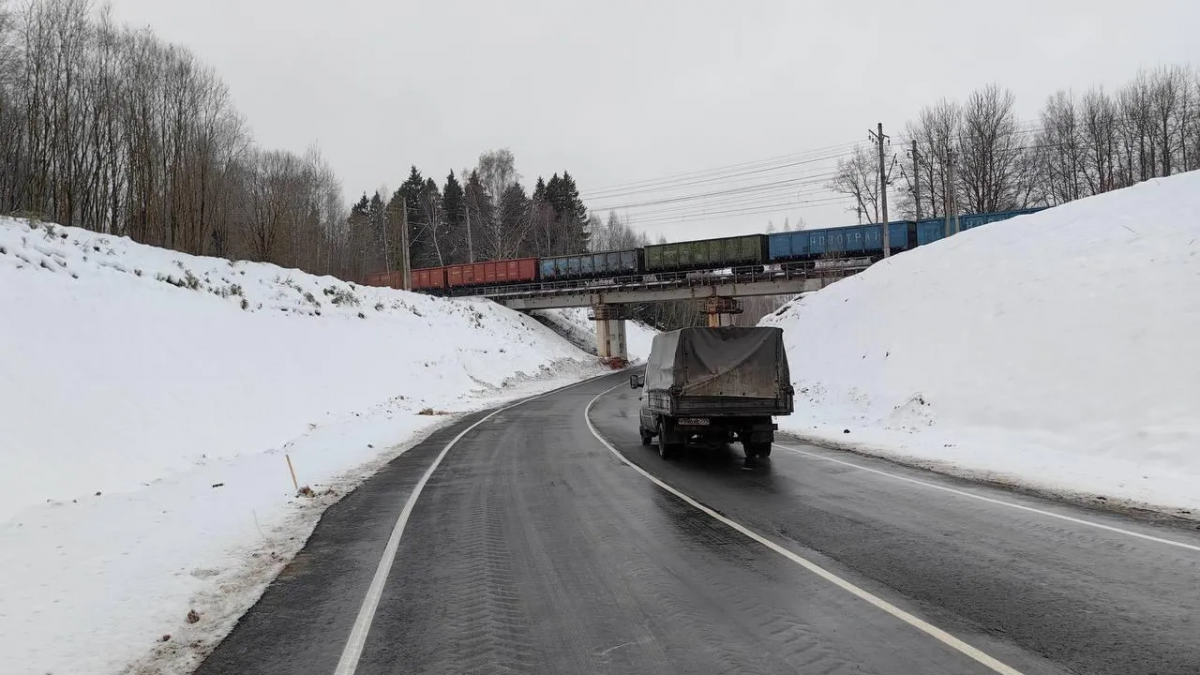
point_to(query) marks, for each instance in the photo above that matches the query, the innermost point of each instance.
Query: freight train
(658, 260)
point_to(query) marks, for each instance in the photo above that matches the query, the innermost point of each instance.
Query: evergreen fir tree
(452, 202)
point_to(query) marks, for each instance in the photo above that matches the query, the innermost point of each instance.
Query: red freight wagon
(524, 269)
(377, 279)
(428, 278)
(495, 272)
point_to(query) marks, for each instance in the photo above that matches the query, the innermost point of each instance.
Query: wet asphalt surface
(533, 549)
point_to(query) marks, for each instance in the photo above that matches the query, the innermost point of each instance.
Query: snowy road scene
(510, 338)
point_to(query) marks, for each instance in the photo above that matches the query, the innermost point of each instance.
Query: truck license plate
(693, 421)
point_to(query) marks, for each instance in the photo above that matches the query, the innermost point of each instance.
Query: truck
(716, 385)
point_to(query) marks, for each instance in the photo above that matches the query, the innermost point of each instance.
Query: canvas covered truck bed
(719, 371)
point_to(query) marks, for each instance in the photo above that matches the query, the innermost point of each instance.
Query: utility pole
(406, 279)
(883, 176)
(387, 246)
(916, 155)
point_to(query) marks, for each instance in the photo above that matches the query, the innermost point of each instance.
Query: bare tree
(614, 234)
(990, 158)
(497, 173)
(111, 129)
(1168, 95)
(1099, 141)
(1137, 130)
(858, 177)
(1058, 154)
(935, 137)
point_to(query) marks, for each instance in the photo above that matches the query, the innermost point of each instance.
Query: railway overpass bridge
(718, 290)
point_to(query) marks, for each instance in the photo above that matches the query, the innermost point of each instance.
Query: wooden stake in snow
(295, 484)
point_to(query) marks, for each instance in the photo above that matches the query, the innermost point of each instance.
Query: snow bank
(1055, 350)
(147, 401)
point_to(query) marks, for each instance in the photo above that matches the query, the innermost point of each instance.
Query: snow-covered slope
(574, 325)
(1056, 350)
(148, 400)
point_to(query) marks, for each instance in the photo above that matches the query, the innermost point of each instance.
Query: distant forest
(109, 128)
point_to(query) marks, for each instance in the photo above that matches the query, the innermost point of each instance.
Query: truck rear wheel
(647, 438)
(665, 450)
(754, 450)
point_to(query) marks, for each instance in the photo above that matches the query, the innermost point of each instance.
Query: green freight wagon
(707, 254)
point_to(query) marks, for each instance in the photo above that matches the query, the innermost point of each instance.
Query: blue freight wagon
(591, 265)
(851, 241)
(933, 229)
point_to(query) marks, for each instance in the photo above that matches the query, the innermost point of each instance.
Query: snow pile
(573, 324)
(1055, 350)
(148, 399)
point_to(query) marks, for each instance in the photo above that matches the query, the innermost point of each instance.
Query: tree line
(111, 129)
(484, 213)
(977, 156)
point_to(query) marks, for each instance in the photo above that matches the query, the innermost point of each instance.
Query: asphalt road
(534, 548)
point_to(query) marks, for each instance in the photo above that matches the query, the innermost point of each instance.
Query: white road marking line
(991, 500)
(918, 623)
(351, 654)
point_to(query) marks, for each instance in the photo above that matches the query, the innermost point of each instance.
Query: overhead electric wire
(722, 215)
(801, 180)
(719, 179)
(707, 175)
(779, 193)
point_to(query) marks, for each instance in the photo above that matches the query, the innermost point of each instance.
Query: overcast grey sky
(622, 90)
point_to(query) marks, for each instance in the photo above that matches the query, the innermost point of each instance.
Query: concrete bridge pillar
(610, 334)
(720, 310)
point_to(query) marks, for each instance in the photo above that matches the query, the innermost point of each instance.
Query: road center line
(351, 654)
(992, 500)
(916, 622)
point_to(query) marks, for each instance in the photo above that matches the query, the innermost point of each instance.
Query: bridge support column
(610, 334)
(720, 310)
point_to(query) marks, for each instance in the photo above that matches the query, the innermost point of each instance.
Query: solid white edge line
(351, 654)
(992, 500)
(918, 623)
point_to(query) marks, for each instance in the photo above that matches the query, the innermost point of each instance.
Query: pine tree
(420, 248)
(573, 203)
(362, 207)
(452, 202)
(454, 210)
(479, 207)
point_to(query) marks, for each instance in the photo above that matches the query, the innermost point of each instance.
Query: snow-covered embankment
(148, 400)
(1055, 350)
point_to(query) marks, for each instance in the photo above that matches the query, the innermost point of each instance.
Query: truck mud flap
(762, 433)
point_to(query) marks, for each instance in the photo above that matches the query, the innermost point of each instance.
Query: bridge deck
(734, 283)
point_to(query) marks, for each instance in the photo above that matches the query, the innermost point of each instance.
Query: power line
(667, 181)
(686, 218)
(794, 199)
(737, 190)
(732, 178)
